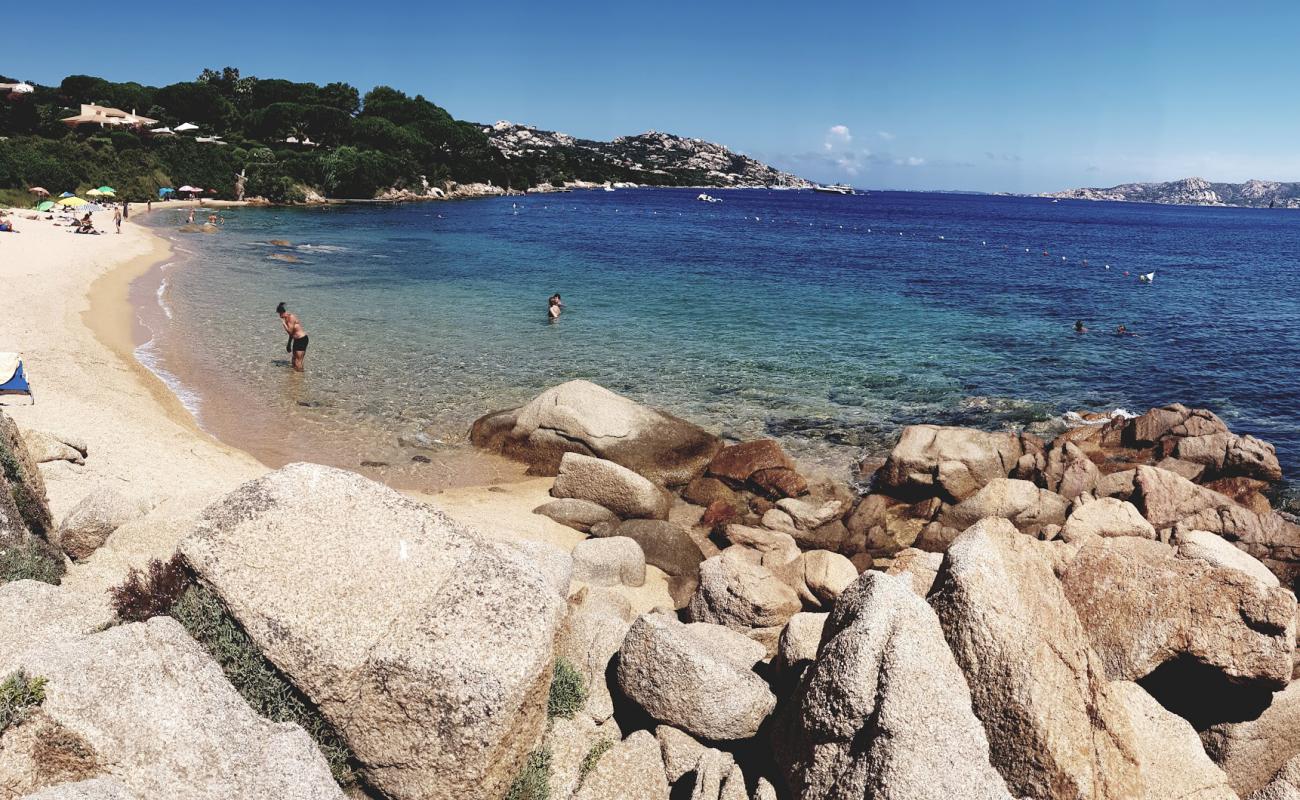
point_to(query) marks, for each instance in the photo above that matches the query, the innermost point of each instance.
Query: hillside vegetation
(361, 145)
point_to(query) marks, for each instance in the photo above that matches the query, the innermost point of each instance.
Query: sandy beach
(68, 313)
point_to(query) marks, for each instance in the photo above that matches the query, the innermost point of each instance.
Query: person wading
(297, 344)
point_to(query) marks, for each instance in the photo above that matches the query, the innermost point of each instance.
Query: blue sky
(993, 96)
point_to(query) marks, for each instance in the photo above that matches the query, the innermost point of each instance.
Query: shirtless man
(297, 344)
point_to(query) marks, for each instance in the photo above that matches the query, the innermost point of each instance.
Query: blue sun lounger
(13, 380)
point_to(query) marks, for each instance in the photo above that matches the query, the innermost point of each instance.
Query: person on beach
(553, 307)
(297, 344)
(117, 219)
(126, 211)
(148, 206)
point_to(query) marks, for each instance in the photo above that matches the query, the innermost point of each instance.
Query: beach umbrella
(66, 194)
(186, 126)
(72, 202)
(45, 205)
(93, 193)
(40, 190)
(107, 190)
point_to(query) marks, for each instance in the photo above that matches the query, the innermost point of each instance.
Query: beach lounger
(12, 378)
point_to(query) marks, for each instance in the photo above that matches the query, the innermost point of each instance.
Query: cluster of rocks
(1196, 192)
(1105, 615)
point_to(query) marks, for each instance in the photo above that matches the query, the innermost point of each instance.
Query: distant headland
(1195, 192)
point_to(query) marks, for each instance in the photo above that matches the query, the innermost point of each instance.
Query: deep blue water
(794, 314)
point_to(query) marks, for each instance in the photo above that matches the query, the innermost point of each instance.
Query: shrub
(20, 694)
(256, 679)
(534, 779)
(593, 755)
(34, 559)
(568, 691)
(151, 593)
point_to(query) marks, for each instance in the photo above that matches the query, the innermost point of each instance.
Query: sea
(826, 321)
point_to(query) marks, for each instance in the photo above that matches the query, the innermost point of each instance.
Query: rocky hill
(651, 157)
(1195, 192)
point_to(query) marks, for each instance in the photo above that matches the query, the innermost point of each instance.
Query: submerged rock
(427, 647)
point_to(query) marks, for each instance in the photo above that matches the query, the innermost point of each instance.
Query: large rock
(1107, 516)
(92, 789)
(46, 447)
(681, 676)
(91, 521)
(1028, 507)
(1285, 784)
(607, 484)
(1251, 751)
(882, 526)
(581, 417)
(826, 575)
(630, 770)
(737, 463)
(801, 638)
(428, 647)
(951, 463)
(1168, 753)
(743, 596)
(1142, 607)
(592, 633)
(1170, 501)
(616, 561)
(24, 510)
(1055, 729)
(1218, 552)
(884, 712)
(580, 515)
(147, 702)
(919, 567)
(666, 545)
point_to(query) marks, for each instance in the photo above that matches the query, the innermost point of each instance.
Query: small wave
(1073, 418)
(322, 248)
(162, 300)
(147, 355)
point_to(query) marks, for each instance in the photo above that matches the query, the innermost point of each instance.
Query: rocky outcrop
(649, 158)
(427, 647)
(147, 704)
(46, 447)
(884, 711)
(761, 466)
(592, 633)
(1285, 784)
(1167, 751)
(1218, 552)
(1195, 192)
(683, 677)
(607, 484)
(581, 417)
(919, 567)
(1143, 607)
(1055, 728)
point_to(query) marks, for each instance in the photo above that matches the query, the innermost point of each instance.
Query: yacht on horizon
(834, 188)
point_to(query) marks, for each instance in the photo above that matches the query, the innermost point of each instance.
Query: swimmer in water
(1123, 330)
(554, 307)
(297, 344)
(1078, 326)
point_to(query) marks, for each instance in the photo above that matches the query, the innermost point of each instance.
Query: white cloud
(837, 136)
(910, 161)
(886, 135)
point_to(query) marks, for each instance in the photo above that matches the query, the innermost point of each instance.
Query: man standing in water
(297, 344)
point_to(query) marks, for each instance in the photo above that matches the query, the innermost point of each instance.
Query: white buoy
(984, 244)
(1108, 266)
(940, 238)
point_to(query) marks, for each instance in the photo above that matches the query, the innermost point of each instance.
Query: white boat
(834, 188)
(1147, 277)
(704, 198)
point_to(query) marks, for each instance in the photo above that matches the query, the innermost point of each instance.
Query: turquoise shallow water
(804, 316)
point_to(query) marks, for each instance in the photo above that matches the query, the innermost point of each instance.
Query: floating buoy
(1108, 266)
(940, 238)
(984, 244)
